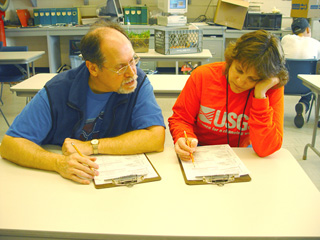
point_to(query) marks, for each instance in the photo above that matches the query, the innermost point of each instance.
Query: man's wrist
(95, 146)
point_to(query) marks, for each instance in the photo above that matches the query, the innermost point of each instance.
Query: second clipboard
(219, 180)
(220, 153)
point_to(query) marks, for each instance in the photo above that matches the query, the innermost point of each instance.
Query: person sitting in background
(300, 45)
(238, 102)
(105, 106)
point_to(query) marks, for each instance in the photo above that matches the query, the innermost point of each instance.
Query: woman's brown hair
(261, 50)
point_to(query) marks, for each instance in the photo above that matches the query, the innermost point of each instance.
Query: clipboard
(219, 179)
(131, 179)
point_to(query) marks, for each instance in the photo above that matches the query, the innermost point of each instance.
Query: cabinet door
(216, 47)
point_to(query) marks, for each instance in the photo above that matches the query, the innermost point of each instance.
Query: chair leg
(1, 94)
(4, 117)
(313, 98)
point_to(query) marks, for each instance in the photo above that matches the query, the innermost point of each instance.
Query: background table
(152, 55)
(164, 85)
(312, 82)
(27, 57)
(279, 202)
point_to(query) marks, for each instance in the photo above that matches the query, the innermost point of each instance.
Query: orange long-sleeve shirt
(201, 111)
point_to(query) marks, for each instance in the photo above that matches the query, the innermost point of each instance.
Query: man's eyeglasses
(133, 62)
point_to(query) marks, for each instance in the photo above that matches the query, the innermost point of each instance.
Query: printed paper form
(115, 166)
(214, 160)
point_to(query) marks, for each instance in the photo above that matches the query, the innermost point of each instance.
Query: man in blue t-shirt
(105, 106)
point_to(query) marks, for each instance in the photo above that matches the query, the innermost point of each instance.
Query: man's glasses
(133, 62)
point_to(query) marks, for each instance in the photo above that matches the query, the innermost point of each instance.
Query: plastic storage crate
(177, 41)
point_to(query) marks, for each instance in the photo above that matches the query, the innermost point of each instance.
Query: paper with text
(116, 166)
(214, 160)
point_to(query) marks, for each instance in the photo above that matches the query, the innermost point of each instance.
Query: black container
(267, 21)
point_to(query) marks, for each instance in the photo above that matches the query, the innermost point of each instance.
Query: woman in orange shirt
(237, 102)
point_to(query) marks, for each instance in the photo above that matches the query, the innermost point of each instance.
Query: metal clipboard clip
(219, 180)
(128, 181)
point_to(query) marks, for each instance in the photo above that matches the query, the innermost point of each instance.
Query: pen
(188, 143)
(80, 153)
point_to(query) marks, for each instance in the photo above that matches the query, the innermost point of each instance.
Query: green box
(36, 16)
(59, 16)
(133, 15)
(144, 15)
(75, 16)
(69, 16)
(53, 16)
(127, 15)
(139, 17)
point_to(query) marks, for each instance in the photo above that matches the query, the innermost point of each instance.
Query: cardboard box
(305, 8)
(231, 13)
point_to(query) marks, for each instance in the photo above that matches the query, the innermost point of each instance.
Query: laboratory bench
(214, 38)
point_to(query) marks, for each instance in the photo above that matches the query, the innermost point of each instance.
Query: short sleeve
(146, 112)
(34, 122)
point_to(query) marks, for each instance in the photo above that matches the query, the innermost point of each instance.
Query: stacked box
(36, 16)
(135, 15)
(178, 41)
(305, 8)
(55, 16)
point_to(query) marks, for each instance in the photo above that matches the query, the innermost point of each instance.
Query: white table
(313, 82)
(152, 55)
(24, 57)
(164, 85)
(167, 85)
(279, 202)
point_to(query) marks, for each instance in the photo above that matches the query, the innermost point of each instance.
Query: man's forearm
(28, 154)
(138, 141)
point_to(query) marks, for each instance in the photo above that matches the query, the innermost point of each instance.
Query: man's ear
(93, 68)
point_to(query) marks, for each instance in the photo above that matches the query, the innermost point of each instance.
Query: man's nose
(131, 70)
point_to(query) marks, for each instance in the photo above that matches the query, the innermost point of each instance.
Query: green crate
(178, 41)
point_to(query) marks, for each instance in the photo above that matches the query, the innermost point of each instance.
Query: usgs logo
(218, 119)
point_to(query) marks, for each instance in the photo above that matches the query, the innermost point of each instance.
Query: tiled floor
(294, 139)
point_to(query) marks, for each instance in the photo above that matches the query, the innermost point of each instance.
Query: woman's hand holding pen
(183, 150)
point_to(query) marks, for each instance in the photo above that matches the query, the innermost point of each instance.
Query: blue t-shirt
(94, 115)
(34, 122)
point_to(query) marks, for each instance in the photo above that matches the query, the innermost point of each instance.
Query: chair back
(295, 67)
